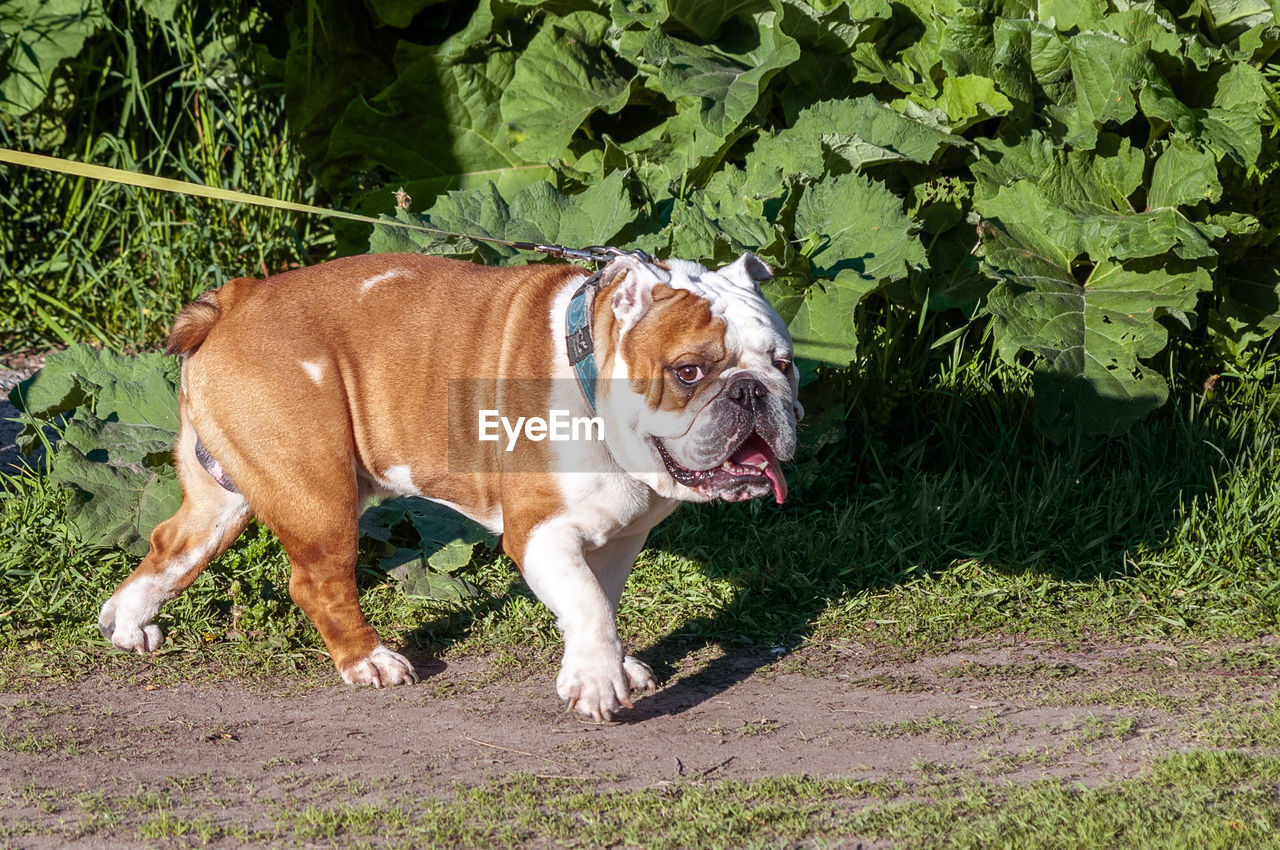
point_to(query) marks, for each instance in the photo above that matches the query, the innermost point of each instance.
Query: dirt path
(1014, 713)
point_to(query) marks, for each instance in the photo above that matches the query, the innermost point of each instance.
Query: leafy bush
(1084, 178)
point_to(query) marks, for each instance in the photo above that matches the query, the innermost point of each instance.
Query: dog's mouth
(753, 462)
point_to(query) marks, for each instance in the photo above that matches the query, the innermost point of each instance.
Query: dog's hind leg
(318, 526)
(209, 519)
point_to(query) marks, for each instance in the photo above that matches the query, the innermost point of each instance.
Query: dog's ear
(635, 281)
(748, 270)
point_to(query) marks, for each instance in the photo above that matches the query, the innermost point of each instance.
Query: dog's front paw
(125, 632)
(639, 675)
(381, 668)
(595, 687)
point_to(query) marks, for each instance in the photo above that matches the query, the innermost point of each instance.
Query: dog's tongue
(752, 453)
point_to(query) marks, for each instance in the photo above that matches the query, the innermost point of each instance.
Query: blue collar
(577, 338)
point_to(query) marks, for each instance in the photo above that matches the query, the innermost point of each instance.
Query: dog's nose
(746, 390)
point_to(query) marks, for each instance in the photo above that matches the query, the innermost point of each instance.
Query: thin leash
(579, 344)
(593, 253)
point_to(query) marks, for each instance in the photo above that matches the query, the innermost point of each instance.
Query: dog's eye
(689, 374)
(782, 365)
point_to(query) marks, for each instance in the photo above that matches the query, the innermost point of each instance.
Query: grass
(925, 513)
(1193, 800)
(82, 260)
(961, 527)
(939, 534)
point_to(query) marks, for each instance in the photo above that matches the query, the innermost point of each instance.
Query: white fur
(399, 480)
(314, 370)
(382, 668)
(126, 617)
(582, 587)
(381, 277)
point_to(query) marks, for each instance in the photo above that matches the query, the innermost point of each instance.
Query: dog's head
(698, 389)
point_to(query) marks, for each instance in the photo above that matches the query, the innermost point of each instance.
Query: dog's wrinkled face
(702, 402)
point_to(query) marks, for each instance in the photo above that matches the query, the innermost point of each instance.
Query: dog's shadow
(891, 511)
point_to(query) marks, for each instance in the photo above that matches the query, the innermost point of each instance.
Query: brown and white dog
(306, 393)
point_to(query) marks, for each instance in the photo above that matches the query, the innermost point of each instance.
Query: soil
(1017, 712)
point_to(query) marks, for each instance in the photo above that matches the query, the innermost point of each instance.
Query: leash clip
(592, 253)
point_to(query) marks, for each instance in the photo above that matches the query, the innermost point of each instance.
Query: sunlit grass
(82, 260)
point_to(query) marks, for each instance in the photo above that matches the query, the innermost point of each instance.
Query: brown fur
(313, 386)
(302, 451)
(673, 332)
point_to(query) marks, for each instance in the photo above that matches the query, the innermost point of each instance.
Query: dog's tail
(198, 318)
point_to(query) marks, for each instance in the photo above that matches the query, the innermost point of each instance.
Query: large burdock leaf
(1184, 174)
(121, 480)
(843, 135)
(537, 213)
(1249, 311)
(427, 542)
(440, 124)
(727, 79)
(140, 390)
(562, 77)
(542, 213)
(120, 419)
(858, 240)
(1082, 292)
(35, 37)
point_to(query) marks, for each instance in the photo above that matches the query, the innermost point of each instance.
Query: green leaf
(728, 84)
(824, 328)
(592, 217)
(439, 125)
(440, 541)
(1230, 19)
(968, 99)
(861, 228)
(704, 20)
(1184, 174)
(418, 580)
(1073, 14)
(399, 13)
(560, 79)
(478, 212)
(833, 28)
(536, 213)
(1082, 181)
(114, 453)
(1087, 336)
(121, 480)
(1106, 71)
(839, 136)
(140, 390)
(1061, 234)
(37, 36)
(1248, 314)
(861, 240)
(680, 151)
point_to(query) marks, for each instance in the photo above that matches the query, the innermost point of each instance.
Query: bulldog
(307, 393)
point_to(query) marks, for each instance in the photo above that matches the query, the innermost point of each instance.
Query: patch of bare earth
(1017, 713)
